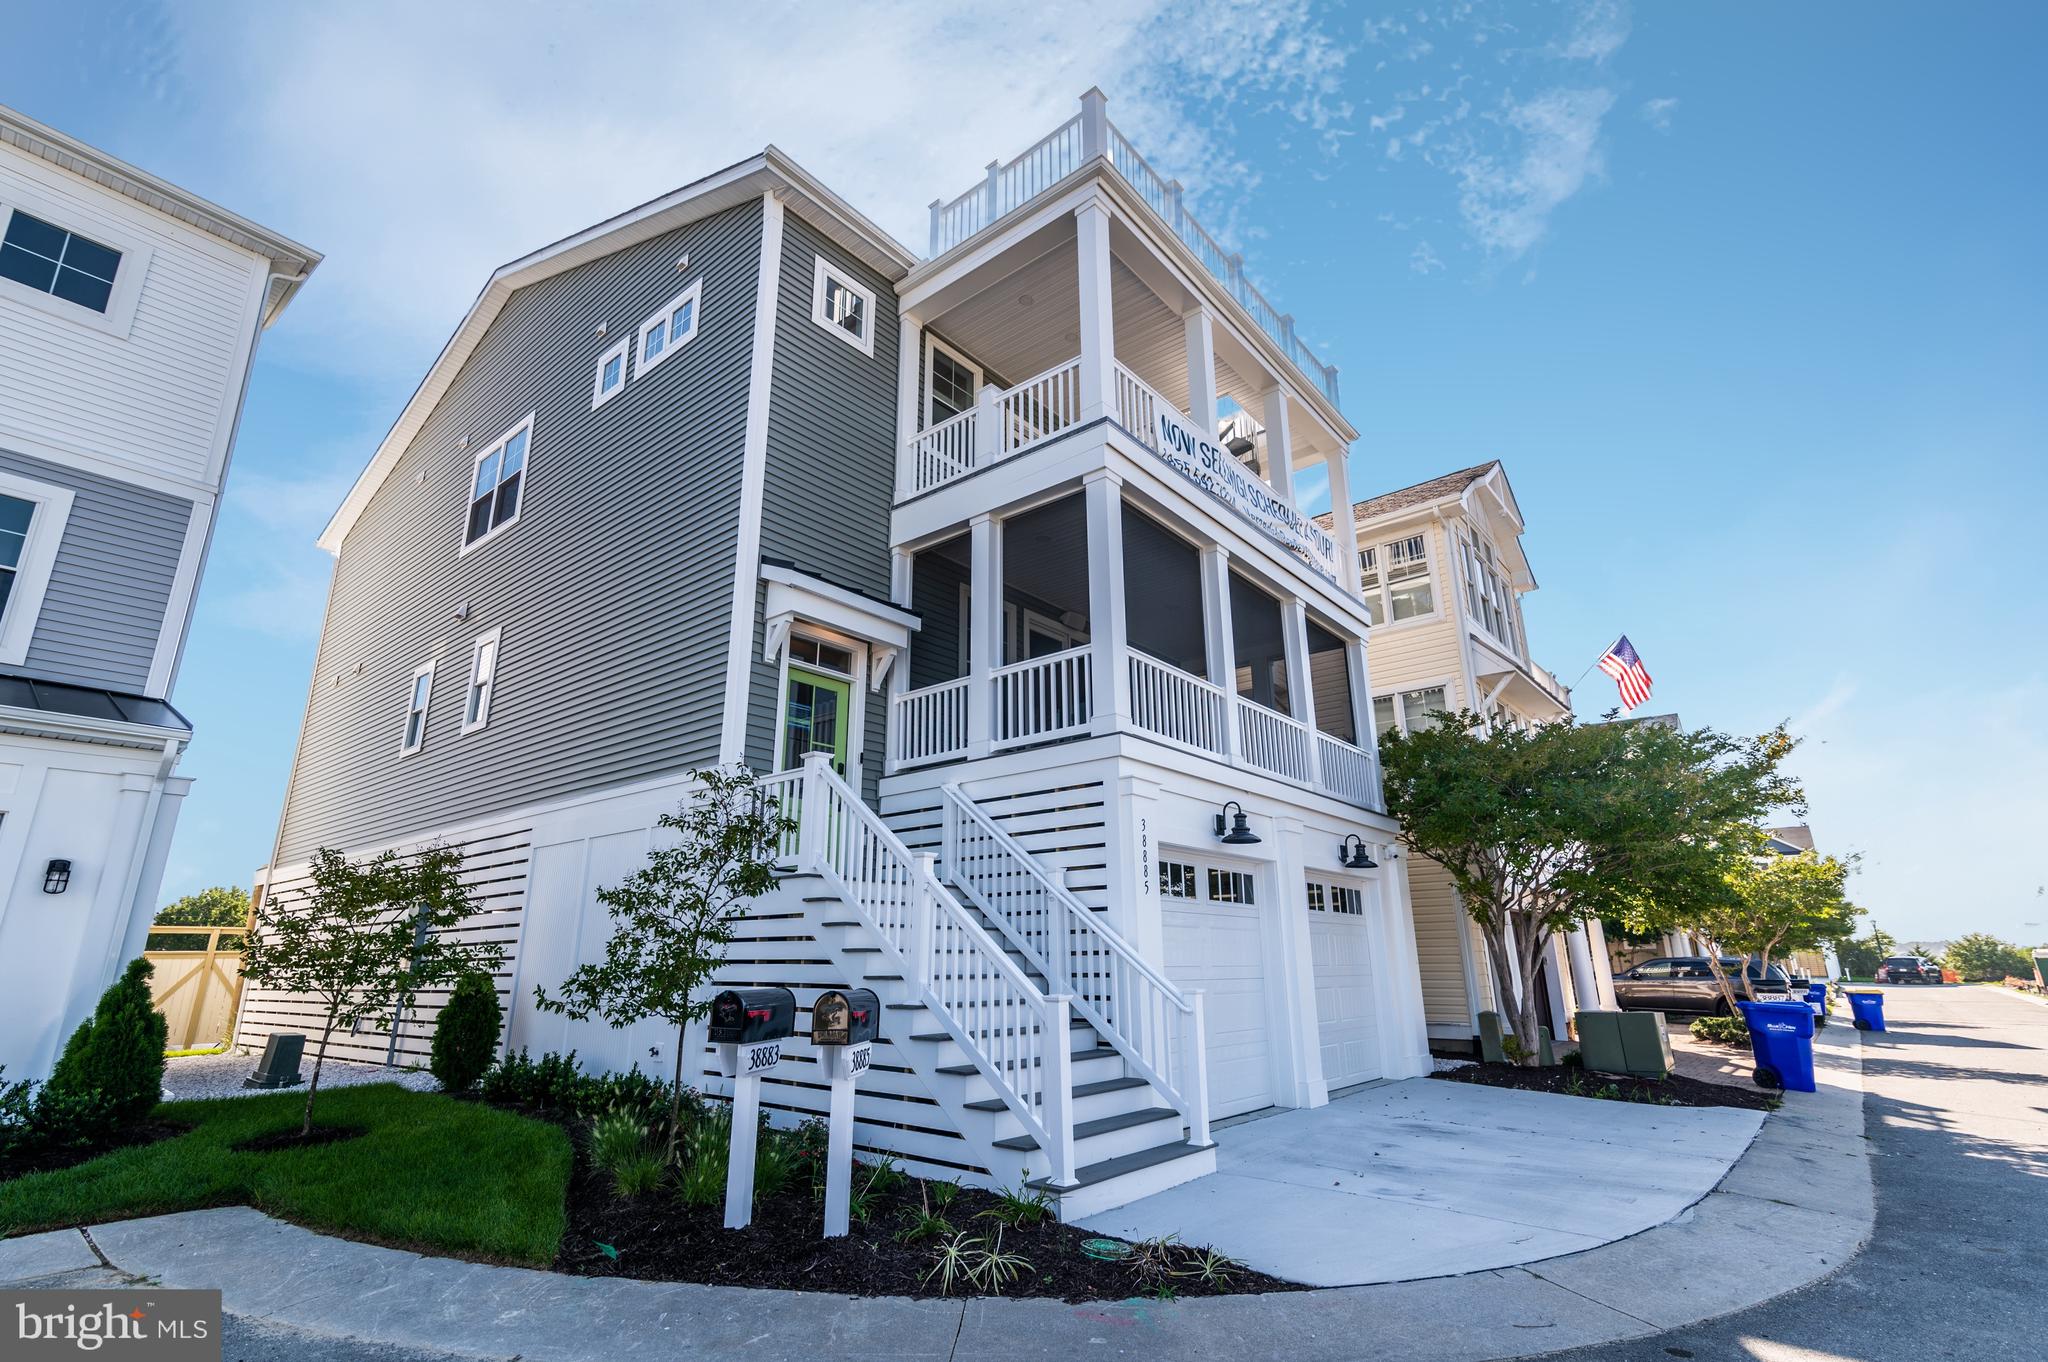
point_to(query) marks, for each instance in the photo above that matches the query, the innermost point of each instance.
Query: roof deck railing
(1013, 183)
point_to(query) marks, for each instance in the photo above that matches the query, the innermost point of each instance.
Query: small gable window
(611, 374)
(843, 307)
(61, 263)
(670, 329)
(494, 490)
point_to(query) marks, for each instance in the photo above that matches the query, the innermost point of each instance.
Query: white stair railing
(1013, 1032)
(1131, 1005)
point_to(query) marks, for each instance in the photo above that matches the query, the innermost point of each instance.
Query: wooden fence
(196, 988)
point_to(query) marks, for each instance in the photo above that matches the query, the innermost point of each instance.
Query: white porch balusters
(1301, 693)
(1220, 641)
(985, 629)
(909, 355)
(1280, 445)
(1346, 522)
(1098, 331)
(1107, 635)
(1201, 338)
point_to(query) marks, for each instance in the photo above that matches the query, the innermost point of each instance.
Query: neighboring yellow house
(1443, 572)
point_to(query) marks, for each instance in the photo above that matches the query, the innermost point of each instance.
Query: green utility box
(1631, 1043)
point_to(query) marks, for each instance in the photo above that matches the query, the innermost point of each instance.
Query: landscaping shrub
(619, 1145)
(701, 1181)
(466, 1034)
(117, 1052)
(553, 1083)
(1731, 1030)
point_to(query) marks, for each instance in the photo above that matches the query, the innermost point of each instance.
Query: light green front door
(815, 717)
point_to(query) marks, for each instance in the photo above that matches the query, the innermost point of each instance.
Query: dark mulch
(19, 1162)
(292, 1139)
(657, 1237)
(1571, 1081)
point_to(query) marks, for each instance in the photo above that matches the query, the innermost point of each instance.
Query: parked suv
(1683, 983)
(1908, 969)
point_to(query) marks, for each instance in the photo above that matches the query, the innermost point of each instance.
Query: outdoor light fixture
(1352, 855)
(56, 877)
(1240, 834)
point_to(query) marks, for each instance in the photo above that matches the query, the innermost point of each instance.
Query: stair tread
(1073, 1024)
(1089, 1174)
(1080, 1090)
(839, 924)
(883, 978)
(1079, 1057)
(1101, 1125)
(863, 950)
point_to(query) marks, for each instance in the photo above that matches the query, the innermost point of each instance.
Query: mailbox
(748, 1016)
(852, 1017)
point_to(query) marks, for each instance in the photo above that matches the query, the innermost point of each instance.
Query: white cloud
(1657, 113)
(1598, 32)
(1506, 201)
(1423, 259)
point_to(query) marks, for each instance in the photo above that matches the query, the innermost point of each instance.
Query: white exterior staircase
(1047, 1042)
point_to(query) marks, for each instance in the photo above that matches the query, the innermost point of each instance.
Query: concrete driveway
(1424, 1178)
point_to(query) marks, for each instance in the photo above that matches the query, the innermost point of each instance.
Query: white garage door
(1341, 948)
(1214, 943)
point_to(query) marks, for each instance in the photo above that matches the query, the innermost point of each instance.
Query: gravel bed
(1444, 1066)
(203, 1076)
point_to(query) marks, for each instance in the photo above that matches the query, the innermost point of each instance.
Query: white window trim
(865, 343)
(466, 544)
(1379, 544)
(412, 680)
(119, 318)
(487, 639)
(932, 347)
(694, 296)
(622, 352)
(38, 560)
(1449, 685)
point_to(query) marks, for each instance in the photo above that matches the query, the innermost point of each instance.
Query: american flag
(1621, 663)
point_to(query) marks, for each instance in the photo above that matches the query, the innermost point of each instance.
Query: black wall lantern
(1351, 854)
(56, 877)
(1240, 834)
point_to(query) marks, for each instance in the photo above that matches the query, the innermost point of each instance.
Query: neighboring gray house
(129, 315)
(1070, 705)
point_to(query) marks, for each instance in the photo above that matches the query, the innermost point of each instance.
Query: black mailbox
(852, 1017)
(748, 1016)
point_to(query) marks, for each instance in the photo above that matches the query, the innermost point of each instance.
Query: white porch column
(909, 355)
(1301, 693)
(1098, 330)
(1585, 983)
(1201, 337)
(985, 629)
(1346, 524)
(1136, 867)
(1410, 1040)
(1279, 445)
(1301, 1053)
(1106, 632)
(1220, 639)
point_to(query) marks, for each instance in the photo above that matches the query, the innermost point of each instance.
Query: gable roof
(768, 172)
(1444, 488)
(288, 259)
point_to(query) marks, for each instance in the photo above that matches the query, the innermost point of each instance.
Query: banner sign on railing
(1199, 459)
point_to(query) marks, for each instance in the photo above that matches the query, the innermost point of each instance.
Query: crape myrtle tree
(365, 938)
(1545, 827)
(673, 919)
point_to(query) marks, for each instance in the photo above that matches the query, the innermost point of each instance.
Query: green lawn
(431, 1174)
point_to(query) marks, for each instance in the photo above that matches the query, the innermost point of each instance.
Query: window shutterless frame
(668, 330)
(935, 350)
(28, 555)
(610, 379)
(116, 315)
(843, 307)
(419, 694)
(483, 681)
(499, 478)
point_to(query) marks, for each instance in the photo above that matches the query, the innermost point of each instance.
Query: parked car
(1684, 983)
(1908, 969)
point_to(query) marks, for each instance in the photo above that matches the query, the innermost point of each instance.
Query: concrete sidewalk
(1806, 1172)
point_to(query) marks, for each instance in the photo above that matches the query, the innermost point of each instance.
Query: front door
(815, 717)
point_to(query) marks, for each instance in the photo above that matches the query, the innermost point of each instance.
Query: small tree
(1767, 903)
(1543, 828)
(1981, 955)
(673, 918)
(466, 1032)
(117, 1052)
(1861, 956)
(365, 939)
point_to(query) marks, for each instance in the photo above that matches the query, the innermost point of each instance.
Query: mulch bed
(1571, 1081)
(292, 1139)
(657, 1237)
(20, 1162)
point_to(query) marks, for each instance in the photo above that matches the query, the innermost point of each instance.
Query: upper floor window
(610, 380)
(1410, 711)
(32, 519)
(61, 263)
(419, 692)
(500, 474)
(843, 307)
(1394, 578)
(950, 383)
(670, 329)
(1487, 595)
(16, 515)
(483, 681)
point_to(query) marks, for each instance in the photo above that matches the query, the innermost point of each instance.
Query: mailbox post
(845, 1025)
(748, 1025)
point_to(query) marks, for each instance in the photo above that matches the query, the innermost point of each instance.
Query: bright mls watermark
(164, 1326)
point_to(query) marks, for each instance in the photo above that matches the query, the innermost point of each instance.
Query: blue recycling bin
(1781, 1038)
(1868, 1010)
(1817, 999)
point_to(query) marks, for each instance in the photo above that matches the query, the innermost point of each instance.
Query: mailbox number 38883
(761, 1058)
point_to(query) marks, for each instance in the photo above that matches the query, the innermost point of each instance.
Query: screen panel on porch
(1329, 676)
(1163, 594)
(1259, 634)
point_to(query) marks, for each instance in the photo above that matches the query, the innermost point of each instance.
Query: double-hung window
(32, 518)
(496, 483)
(419, 693)
(483, 681)
(1408, 711)
(16, 517)
(1487, 596)
(61, 263)
(1394, 578)
(670, 329)
(844, 308)
(950, 383)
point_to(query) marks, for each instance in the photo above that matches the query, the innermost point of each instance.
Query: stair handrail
(1160, 1034)
(1019, 1042)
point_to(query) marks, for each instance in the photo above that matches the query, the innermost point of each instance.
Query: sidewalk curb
(1810, 1160)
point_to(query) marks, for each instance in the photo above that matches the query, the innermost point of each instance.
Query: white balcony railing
(1043, 699)
(1172, 704)
(1346, 771)
(930, 724)
(1002, 424)
(1272, 742)
(942, 452)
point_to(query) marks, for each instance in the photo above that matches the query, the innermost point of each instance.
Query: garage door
(1340, 945)
(1214, 943)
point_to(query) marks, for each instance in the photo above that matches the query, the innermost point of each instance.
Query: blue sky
(1749, 299)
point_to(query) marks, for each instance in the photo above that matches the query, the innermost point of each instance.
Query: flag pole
(1594, 663)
